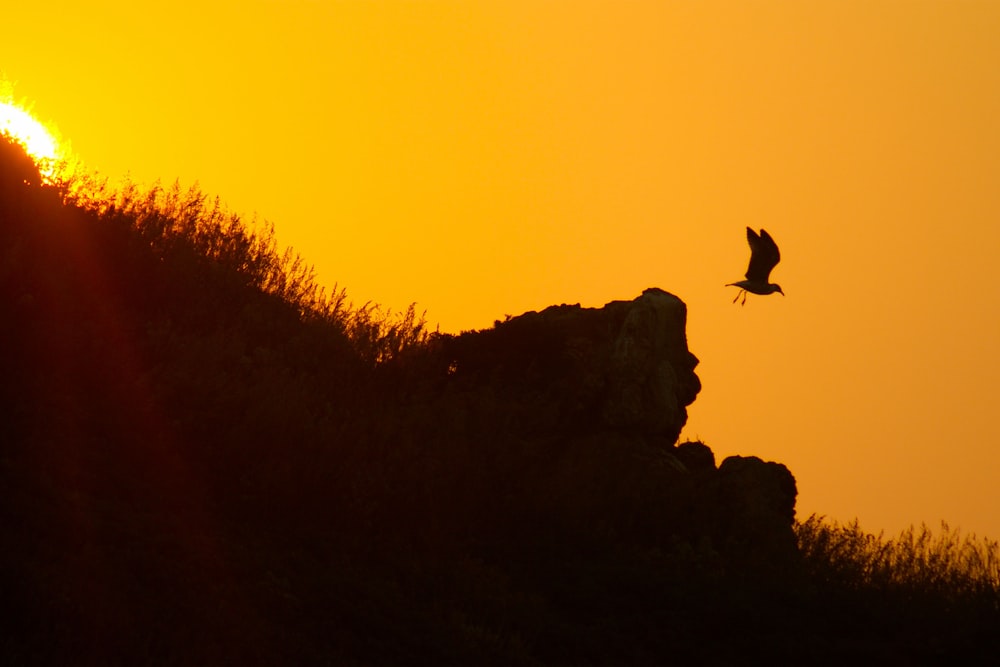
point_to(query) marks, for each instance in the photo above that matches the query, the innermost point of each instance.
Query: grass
(946, 563)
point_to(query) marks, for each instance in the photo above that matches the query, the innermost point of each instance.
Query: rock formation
(625, 366)
(598, 396)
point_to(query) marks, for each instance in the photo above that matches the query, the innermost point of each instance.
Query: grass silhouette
(207, 458)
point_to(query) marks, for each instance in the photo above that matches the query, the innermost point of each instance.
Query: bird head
(777, 288)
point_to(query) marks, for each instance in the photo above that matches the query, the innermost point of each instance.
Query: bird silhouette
(764, 256)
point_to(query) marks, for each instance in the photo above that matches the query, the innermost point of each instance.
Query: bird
(764, 256)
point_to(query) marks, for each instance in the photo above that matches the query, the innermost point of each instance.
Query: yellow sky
(487, 158)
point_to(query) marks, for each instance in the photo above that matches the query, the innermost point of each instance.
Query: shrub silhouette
(16, 166)
(939, 593)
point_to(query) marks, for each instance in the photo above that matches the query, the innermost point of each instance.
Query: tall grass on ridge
(947, 564)
(173, 222)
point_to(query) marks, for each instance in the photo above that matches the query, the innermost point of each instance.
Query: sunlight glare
(39, 142)
(19, 124)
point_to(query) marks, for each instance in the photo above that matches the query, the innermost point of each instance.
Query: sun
(39, 142)
(20, 124)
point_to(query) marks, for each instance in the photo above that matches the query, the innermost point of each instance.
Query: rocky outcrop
(625, 366)
(594, 400)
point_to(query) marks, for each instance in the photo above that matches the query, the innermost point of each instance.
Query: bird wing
(764, 255)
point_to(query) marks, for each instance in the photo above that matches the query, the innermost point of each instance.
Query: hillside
(207, 459)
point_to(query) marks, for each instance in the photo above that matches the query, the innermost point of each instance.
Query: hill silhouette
(208, 459)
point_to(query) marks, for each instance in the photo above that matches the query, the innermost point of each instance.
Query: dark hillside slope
(151, 392)
(205, 460)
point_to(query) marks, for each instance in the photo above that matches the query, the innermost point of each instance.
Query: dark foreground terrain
(204, 459)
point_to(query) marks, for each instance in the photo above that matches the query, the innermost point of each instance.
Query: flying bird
(764, 256)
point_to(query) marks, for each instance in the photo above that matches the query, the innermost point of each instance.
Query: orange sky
(487, 158)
